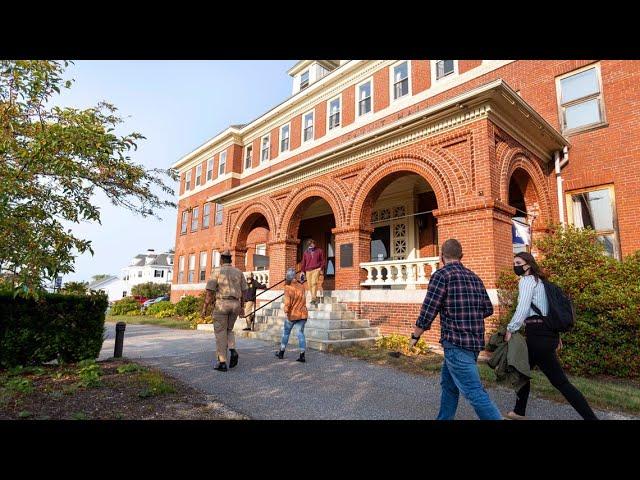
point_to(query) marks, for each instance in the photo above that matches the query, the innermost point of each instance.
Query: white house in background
(148, 267)
(113, 286)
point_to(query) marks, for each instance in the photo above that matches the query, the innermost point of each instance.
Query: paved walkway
(327, 386)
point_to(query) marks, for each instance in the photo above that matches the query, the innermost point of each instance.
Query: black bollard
(117, 351)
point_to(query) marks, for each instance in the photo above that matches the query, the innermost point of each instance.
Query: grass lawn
(116, 389)
(602, 393)
(172, 322)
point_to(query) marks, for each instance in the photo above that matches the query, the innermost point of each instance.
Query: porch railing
(399, 272)
(261, 276)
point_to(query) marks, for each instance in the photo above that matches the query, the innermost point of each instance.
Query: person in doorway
(296, 311)
(459, 296)
(542, 342)
(226, 291)
(313, 265)
(250, 301)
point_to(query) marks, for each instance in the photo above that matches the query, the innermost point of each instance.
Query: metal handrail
(267, 289)
(271, 301)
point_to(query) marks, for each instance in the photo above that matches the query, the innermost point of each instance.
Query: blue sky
(177, 106)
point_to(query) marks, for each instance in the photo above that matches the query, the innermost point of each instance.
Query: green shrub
(151, 289)
(189, 305)
(134, 313)
(606, 295)
(195, 319)
(127, 304)
(165, 308)
(67, 328)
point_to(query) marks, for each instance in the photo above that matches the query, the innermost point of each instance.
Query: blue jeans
(288, 326)
(460, 373)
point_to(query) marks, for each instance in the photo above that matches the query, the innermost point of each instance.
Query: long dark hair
(535, 269)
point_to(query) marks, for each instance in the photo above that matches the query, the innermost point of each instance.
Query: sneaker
(301, 358)
(221, 367)
(280, 354)
(514, 416)
(233, 359)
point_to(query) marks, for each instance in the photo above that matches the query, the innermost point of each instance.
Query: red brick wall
(420, 75)
(348, 105)
(466, 65)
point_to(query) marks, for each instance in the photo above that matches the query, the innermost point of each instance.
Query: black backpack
(562, 314)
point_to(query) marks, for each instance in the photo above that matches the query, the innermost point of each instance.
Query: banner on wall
(520, 233)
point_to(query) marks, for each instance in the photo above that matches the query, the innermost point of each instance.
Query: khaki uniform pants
(223, 328)
(248, 308)
(315, 278)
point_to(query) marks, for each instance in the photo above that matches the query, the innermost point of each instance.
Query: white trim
(216, 181)
(268, 137)
(328, 115)
(600, 97)
(391, 82)
(188, 286)
(447, 78)
(378, 295)
(302, 126)
(487, 66)
(212, 162)
(280, 151)
(357, 104)
(244, 159)
(224, 152)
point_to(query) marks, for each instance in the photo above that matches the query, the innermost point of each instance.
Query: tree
(52, 161)
(75, 288)
(151, 290)
(99, 277)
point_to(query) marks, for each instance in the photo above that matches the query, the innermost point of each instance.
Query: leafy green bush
(195, 319)
(151, 289)
(606, 295)
(134, 313)
(165, 309)
(59, 327)
(189, 304)
(121, 307)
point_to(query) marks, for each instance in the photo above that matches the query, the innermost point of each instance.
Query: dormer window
(304, 80)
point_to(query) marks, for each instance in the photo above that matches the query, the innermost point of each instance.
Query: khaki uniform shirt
(227, 282)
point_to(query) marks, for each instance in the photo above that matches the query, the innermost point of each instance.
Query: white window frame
(191, 272)
(209, 176)
(206, 214)
(614, 215)
(187, 181)
(391, 81)
(600, 97)
(195, 216)
(202, 269)
(215, 220)
(181, 269)
(434, 72)
(357, 105)
(339, 97)
(308, 72)
(268, 137)
(313, 127)
(215, 259)
(246, 149)
(198, 174)
(184, 225)
(288, 138)
(221, 164)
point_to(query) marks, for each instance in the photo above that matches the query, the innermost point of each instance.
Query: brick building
(380, 161)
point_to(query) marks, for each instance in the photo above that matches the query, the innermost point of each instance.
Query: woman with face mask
(542, 342)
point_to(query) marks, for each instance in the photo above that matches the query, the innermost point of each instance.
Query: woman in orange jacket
(296, 310)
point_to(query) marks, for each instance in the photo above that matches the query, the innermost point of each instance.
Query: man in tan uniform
(225, 290)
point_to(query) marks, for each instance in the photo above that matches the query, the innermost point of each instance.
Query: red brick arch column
(242, 226)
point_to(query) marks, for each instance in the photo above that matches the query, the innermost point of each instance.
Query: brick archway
(515, 161)
(300, 200)
(245, 221)
(383, 173)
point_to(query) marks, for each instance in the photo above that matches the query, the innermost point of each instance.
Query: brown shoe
(514, 416)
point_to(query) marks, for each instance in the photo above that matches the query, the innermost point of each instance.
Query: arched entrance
(403, 250)
(523, 197)
(252, 246)
(314, 219)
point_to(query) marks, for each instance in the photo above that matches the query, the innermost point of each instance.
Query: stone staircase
(330, 325)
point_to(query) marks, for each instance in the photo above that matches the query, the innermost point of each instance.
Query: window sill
(588, 128)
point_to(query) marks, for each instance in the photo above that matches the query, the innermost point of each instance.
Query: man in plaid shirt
(459, 296)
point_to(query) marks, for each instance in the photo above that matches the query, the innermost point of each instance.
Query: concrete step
(340, 333)
(312, 343)
(313, 314)
(317, 323)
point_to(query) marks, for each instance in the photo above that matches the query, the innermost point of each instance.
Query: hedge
(606, 294)
(124, 306)
(67, 328)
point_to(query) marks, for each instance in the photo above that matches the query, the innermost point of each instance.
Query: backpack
(562, 313)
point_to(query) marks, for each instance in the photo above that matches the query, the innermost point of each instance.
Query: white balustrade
(261, 276)
(399, 272)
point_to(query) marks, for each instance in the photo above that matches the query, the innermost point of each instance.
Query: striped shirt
(529, 291)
